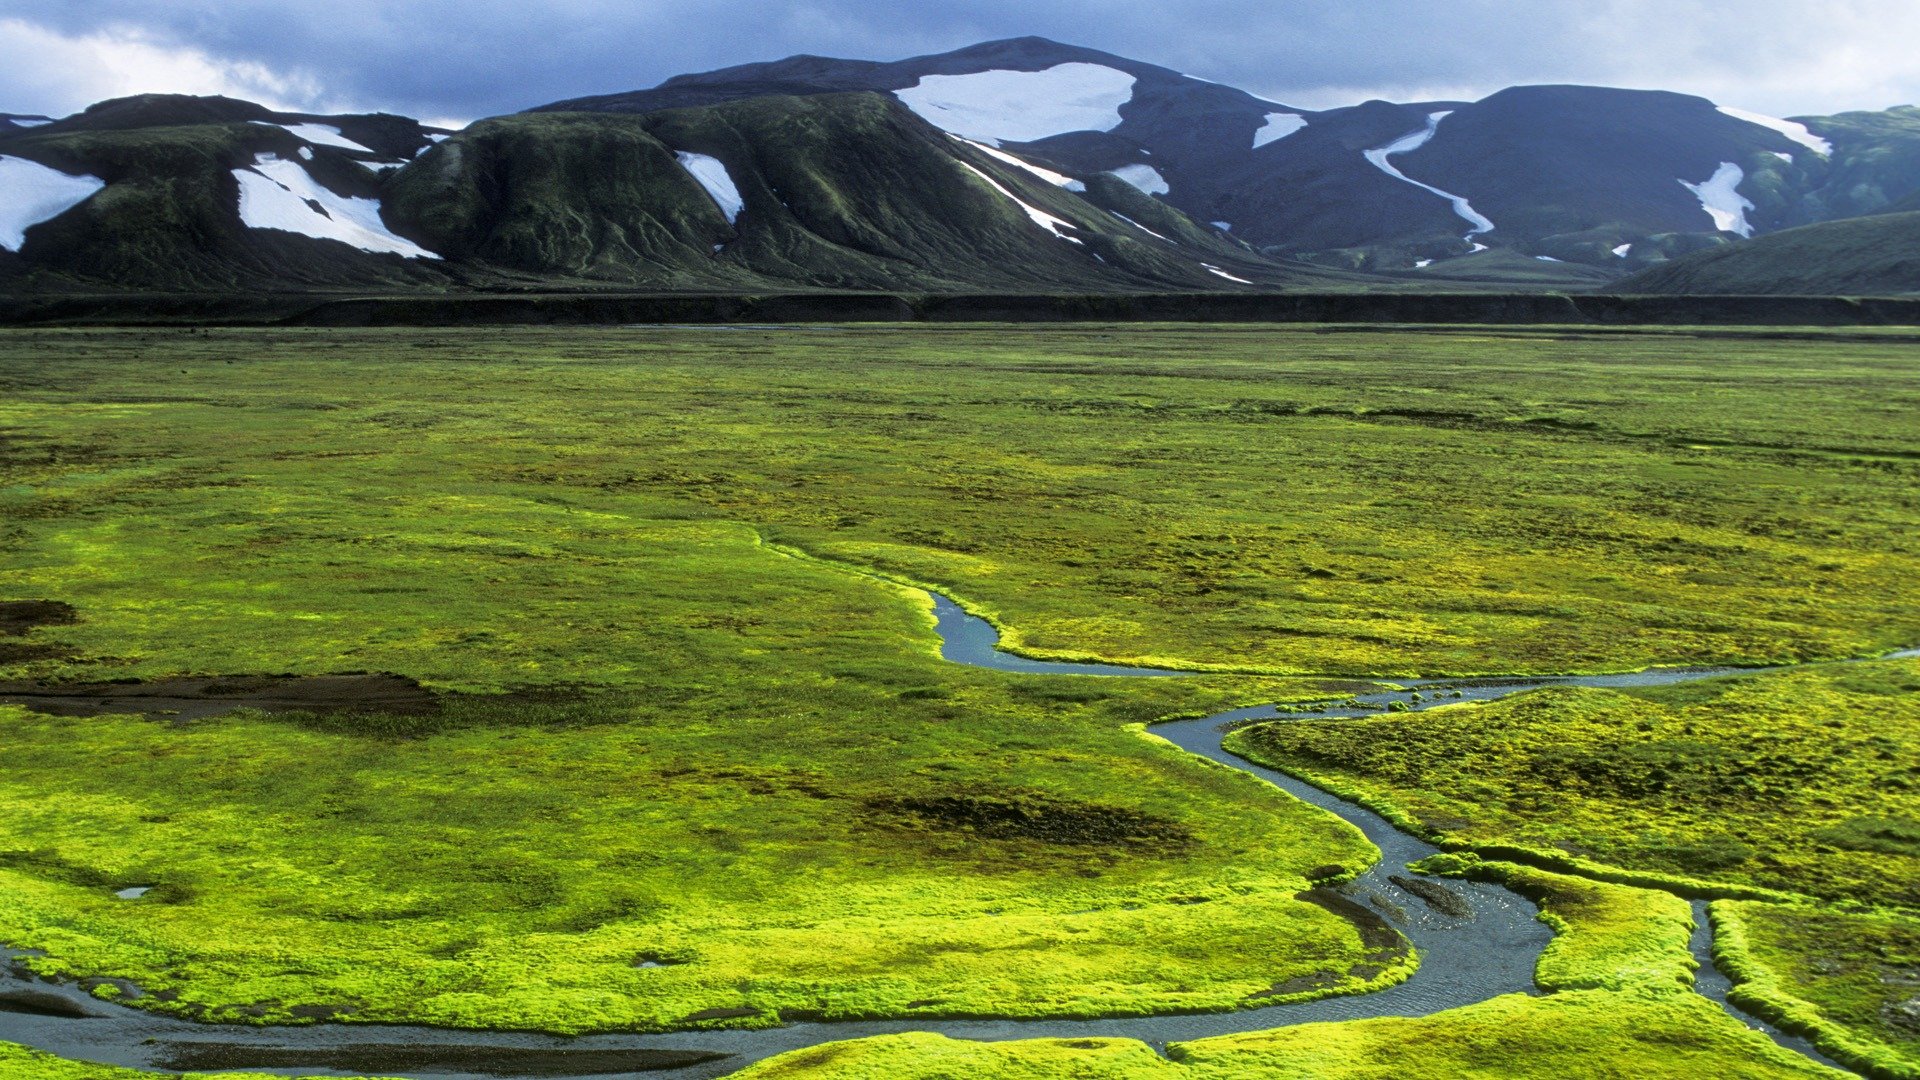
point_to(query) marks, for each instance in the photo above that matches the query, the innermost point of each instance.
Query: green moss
(1848, 980)
(1606, 936)
(1579, 1035)
(1796, 782)
(664, 738)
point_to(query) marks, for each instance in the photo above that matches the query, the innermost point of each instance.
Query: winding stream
(1464, 959)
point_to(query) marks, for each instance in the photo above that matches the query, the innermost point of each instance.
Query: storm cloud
(470, 58)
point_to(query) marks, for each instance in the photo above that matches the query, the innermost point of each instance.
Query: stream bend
(1464, 958)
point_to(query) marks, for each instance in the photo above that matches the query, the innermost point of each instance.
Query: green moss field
(681, 751)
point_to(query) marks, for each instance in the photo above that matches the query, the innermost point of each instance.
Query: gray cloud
(469, 58)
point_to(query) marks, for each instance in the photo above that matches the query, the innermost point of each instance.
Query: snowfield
(278, 194)
(1720, 197)
(31, 193)
(717, 180)
(1022, 106)
(1145, 177)
(1060, 180)
(1409, 143)
(1790, 128)
(1040, 217)
(319, 135)
(1279, 125)
(1137, 225)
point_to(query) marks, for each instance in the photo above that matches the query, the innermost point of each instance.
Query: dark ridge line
(628, 308)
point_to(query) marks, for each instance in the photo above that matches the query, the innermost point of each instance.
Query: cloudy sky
(462, 59)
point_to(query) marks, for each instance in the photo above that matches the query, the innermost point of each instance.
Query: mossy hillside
(568, 194)
(885, 191)
(1847, 979)
(1868, 256)
(1875, 163)
(1578, 1035)
(168, 217)
(1802, 781)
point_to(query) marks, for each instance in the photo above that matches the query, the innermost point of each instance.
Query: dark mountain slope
(1874, 166)
(1546, 160)
(167, 218)
(840, 191)
(1613, 179)
(1866, 256)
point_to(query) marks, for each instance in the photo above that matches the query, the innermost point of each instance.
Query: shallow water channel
(1464, 958)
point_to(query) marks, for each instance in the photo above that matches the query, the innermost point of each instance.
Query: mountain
(1864, 256)
(841, 191)
(1020, 165)
(1611, 179)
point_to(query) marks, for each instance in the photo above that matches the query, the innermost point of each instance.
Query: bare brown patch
(195, 698)
(1035, 818)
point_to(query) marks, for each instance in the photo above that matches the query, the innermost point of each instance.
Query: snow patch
(1788, 158)
(29, 121)
(1137, 225)
(306, 153)
(1223, 226)
(1792, 129)
(319, 135)
(1022, 106)
(1040, 217)
(719, 183)
(1423, 264)
(278, 194)
(1720, 197)
(1478, 248)
(1546, 258)
(1145, 177)
(1279, 125)
(1060, 180)
(31, 193)
(1408, 143)
(1217, 272)
(1623, 250)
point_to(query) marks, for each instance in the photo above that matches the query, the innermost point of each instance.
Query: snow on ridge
(1216, 271)
(1022, 106)
(1720, 197)
(1408, 143)
(1144, 177)
(713, 176)
(278, 194)
(318, 135)
(31, 193)
(1137, 225)
(1279, 125)
(1792, 129)
(1059, 180)
(1040, 217)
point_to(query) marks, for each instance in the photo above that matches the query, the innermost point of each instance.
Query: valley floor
(647, 729)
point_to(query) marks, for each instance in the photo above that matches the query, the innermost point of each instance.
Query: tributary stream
(1464, 958)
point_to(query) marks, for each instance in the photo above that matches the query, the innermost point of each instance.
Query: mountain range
(1013, 165)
